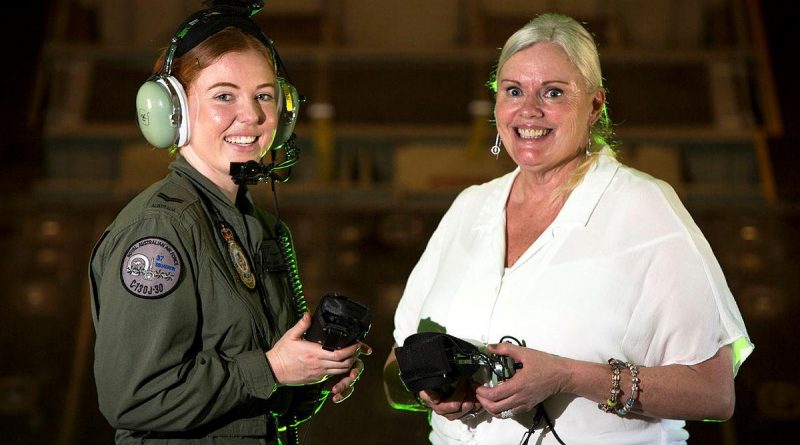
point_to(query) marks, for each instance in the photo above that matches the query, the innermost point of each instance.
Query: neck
(547, 186)
(223, 182)
(230, 193)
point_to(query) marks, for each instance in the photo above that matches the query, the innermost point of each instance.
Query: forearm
(396, 393)
(696, 392)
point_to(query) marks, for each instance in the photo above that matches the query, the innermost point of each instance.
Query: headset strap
(207, 22)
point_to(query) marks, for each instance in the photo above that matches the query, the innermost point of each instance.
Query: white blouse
(623, 271)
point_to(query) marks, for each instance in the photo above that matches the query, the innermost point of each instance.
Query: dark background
(364, 250)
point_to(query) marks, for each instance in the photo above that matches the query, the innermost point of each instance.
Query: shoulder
(172, 199)
(475, 206)
(168, 209)
(636, 188)
(147, 248)
(173, 195)
(644, 207)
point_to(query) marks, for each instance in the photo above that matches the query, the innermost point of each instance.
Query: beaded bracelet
(612, 401)
(634, 370)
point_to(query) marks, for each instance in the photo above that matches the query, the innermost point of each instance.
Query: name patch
(150, 268)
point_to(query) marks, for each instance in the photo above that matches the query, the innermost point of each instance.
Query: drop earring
(589, 147)
(495, 150)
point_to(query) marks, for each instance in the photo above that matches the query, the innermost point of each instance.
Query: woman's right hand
(296, 361)
(461, 403)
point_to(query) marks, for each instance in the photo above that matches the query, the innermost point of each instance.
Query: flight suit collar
(244, 201)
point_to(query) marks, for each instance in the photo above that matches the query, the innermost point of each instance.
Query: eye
(224, 97)
(514, 91)
(265, 97)
(553, 93)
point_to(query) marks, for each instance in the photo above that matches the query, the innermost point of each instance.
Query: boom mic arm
(253, 172)
(250, 172)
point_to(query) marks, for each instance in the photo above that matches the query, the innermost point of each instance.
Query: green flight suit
(181, 336)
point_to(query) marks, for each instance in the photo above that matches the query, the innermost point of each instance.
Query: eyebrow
(546, 82)
(232, 85)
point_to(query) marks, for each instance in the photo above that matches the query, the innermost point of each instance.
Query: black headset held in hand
(161, 102)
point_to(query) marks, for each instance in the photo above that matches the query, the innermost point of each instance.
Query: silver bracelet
(634, 370)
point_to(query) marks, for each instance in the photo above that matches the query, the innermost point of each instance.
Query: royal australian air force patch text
(151, 268)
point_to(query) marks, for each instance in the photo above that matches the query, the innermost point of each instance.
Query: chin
(240, 154)
(524, 157)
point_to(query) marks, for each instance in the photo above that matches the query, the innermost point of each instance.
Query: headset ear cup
(154, 113)
(288, 110)
(160, 107)
(183, 111)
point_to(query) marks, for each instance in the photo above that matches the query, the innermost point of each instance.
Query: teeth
(241, 139)
(530, 133)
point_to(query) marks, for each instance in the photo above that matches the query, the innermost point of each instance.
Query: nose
(251, 112)
(532, 106)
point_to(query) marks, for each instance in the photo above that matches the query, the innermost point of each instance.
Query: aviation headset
(161, 102)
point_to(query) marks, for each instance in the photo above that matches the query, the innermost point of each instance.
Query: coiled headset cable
(289, 256)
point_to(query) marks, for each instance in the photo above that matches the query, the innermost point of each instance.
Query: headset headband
(207, 22)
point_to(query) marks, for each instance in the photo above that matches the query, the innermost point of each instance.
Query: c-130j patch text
(151, 268)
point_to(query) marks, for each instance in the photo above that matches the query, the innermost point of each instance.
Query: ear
(598, 101)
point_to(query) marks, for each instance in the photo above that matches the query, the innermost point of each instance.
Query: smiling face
(544, 109)
(233, 114)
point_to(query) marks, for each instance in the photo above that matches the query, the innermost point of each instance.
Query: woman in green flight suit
(198, 340)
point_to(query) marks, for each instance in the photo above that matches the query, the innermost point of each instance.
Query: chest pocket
(271, 258)
(274, 271)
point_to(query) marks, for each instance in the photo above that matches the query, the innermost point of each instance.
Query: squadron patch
(239, 259)
(150, 268)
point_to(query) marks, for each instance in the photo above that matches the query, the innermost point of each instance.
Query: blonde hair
(581, 49)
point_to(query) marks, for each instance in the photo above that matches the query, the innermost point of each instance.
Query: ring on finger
(471, 414)
(344, 395)
(507, 414)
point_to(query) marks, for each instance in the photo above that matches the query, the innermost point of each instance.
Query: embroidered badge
(240, 261)
(150, 268)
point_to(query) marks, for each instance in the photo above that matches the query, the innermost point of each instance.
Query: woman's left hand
(541, 376)
(344, 386)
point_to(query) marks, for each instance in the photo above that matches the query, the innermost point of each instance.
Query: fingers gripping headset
(161, 102)
(438, 362)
